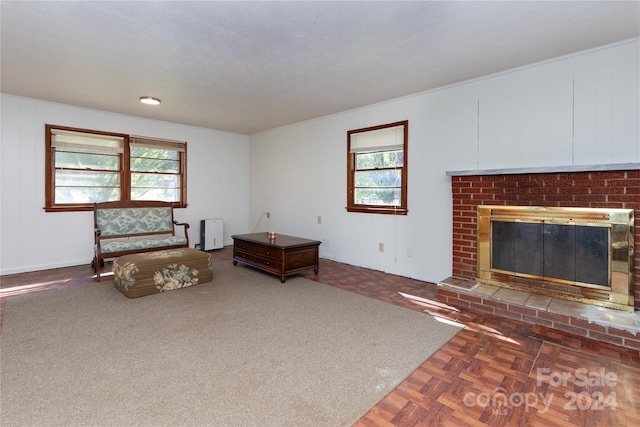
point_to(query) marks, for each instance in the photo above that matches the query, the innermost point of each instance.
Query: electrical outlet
(409, 252)
(319, 219)
(381, 247)
(268, 214)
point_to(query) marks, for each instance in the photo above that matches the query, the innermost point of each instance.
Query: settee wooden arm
(186, 228)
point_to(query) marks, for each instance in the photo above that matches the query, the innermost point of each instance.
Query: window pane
(146, 186)
(155, 180)
(74, 178)
(153, 153)
(376, 178)
(381, 159)
(163, 194)
(84, 160)
(86, 194)
(378, 196)
(153, 165)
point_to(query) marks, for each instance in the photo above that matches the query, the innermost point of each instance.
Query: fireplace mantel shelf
(549, 169)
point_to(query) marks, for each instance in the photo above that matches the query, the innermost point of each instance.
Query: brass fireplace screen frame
(618, 294)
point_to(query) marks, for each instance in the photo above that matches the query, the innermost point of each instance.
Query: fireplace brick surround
(590, 187)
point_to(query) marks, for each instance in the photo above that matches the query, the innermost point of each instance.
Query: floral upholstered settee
(122, 228)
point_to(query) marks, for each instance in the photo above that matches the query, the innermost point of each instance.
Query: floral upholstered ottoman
(136, 275)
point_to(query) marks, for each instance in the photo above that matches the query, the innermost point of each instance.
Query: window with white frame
(86, 166)
(377, 169)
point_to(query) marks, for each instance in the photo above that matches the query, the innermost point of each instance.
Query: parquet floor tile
(494, 372)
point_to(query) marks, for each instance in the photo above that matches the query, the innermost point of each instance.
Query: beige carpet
(243, 350)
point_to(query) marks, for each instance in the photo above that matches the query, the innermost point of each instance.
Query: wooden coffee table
(283, 256)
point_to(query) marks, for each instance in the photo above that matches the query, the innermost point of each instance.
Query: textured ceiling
(249, 66)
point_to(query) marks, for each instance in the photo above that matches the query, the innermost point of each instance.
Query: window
(377, 169)
(156, 169)
(85, 166)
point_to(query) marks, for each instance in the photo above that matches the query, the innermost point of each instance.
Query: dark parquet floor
(494, 372)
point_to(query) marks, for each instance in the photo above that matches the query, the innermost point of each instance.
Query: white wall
(576, 110)
(580, 109)
(30, 239)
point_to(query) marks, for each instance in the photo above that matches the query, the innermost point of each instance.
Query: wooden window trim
(124, 170)
(351, 172)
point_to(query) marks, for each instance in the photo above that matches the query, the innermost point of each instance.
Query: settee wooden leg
(97, 267)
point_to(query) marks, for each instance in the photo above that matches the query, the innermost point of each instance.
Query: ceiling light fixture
(149, 100)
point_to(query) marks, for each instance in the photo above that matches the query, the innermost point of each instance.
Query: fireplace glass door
(554, 251)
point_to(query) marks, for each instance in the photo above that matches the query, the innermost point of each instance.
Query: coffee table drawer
(246, 256)
(244, 247)
(266, 252)
(269, 264)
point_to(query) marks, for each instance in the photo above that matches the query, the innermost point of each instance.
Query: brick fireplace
(601, 186)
